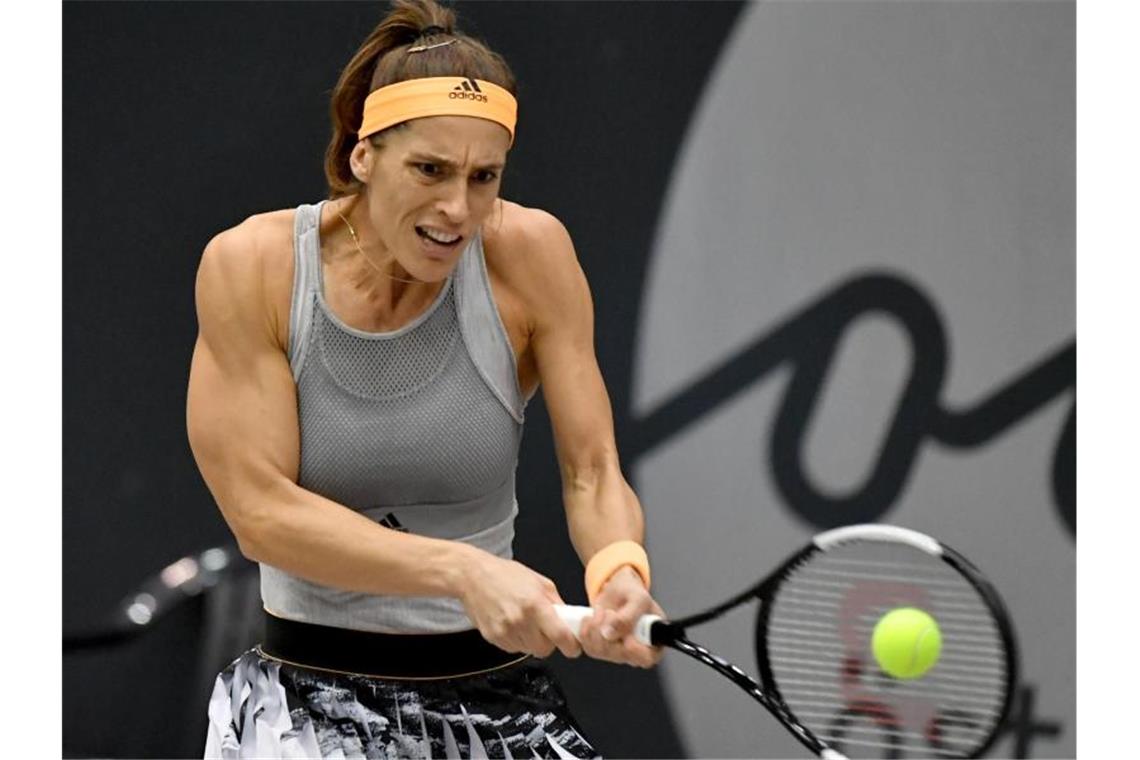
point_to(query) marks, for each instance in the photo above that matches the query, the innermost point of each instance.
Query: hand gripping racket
(818, 675)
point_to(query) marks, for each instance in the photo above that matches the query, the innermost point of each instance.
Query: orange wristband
(612, 558)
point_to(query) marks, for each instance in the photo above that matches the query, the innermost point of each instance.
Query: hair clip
(421, 48)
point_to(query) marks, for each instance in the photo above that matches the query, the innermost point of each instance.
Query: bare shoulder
(531, 249)
(260, 243)
(247, 271)
(519, 229)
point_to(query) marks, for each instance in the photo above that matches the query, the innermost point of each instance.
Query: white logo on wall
(872, 220)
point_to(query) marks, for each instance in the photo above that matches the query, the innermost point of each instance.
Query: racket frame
(766, 589)
(671, 633)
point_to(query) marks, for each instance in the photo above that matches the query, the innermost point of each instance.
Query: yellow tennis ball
(906, 643)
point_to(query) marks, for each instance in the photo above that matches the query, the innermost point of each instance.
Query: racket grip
(573, 616)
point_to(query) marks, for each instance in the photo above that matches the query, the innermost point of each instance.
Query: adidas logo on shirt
(389, 521)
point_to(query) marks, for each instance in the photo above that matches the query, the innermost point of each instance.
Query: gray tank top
(417, 429)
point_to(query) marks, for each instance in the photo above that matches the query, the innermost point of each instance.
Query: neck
(369, 268)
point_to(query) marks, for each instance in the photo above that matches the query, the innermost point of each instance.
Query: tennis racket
(818, 675)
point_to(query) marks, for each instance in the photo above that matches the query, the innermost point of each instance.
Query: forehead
(459, 139)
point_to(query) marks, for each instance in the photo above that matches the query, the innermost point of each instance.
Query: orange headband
(438, 96)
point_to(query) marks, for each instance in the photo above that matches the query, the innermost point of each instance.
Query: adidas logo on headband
(468, 90)
(437, 96)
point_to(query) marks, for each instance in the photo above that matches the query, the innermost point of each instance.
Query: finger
(530, 631)
(591, 639)
(636, 653)
(507, 644)
(551, 591)
(497, 635)
(605, 652)
(513, 644)
(626, 617)
(609, 649)
(589, 636)
(608, 626)
(592, 626)
(510, 634)
(538, 644)
(558, 633)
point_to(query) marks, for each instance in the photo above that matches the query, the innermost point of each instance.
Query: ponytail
(383, 59)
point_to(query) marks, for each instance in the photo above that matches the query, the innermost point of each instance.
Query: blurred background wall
(831, 246)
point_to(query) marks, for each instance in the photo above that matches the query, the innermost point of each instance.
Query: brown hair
(383, 59)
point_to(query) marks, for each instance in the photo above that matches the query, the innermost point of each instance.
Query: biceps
(242, 426)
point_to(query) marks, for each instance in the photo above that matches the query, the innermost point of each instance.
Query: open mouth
(438, 237)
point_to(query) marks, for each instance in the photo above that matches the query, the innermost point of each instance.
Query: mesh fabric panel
(401, 419)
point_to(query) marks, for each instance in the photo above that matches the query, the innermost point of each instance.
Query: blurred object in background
(206, 608)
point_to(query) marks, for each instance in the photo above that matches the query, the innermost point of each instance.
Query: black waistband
(384, 655)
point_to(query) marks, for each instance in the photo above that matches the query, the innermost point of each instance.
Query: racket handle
(573, 616)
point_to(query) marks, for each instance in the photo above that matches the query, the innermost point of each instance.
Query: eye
(485, 176)
(429, 169)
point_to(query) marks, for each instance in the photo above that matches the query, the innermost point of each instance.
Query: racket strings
(817, 641)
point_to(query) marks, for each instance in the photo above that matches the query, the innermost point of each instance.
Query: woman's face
(430, 186)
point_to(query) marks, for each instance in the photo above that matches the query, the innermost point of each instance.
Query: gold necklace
(356, 241)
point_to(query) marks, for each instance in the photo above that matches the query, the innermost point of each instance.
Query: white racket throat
(573, 615)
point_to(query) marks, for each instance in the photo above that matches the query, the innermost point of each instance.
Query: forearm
(322, 541)
(600, 508)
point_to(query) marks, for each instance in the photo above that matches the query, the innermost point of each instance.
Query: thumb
(550, 591)
(626, 617)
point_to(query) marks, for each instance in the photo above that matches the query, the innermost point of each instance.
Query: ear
(360, 160)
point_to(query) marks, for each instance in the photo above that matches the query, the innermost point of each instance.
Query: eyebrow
(448, 163)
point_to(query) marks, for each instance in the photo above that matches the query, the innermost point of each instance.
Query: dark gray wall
(725, 171)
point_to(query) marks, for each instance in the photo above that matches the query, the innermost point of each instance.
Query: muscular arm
(242, 424)
(243, 427)
(600, 506)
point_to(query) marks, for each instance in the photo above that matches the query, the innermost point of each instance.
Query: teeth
(439, 236)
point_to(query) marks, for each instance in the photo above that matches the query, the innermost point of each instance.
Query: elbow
(253, 525)
(249, 548)
(245, 532)
(254, 533)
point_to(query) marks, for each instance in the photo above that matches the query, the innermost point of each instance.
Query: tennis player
(356, 406)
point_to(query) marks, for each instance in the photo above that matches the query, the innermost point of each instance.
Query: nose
(454, 203)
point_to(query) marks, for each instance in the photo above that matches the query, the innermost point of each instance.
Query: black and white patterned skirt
(405, 696)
